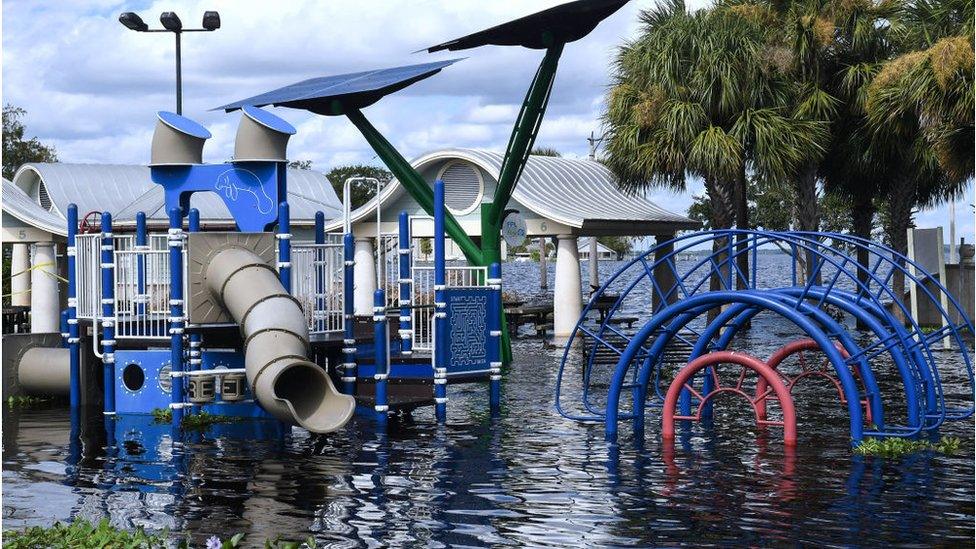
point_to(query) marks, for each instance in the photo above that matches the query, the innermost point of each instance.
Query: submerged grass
(198, 421)
(82, 534)
(897, 447)
(24, 401)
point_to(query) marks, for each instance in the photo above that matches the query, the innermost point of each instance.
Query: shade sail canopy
(562, 24)
(334, 95)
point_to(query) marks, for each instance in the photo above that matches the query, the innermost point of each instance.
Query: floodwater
(529, 477)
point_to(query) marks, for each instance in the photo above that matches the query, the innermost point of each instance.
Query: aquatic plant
(898, 447)
(82, 534)
(25, 401)
(198, 421)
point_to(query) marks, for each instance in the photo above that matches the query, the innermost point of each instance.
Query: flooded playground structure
(397, 364)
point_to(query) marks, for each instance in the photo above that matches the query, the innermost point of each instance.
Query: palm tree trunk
(900, 203)
(808, 213)
(862, 217)
(741, 197)
(720, 198)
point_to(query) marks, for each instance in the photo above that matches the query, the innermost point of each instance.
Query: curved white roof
(578, 193)
(20, 205)
(125, 190)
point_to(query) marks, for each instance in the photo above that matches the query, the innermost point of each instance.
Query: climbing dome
(692, 299)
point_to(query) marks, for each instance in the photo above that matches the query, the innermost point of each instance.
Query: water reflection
(528, 477)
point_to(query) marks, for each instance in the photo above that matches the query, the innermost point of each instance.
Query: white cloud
(91, 87)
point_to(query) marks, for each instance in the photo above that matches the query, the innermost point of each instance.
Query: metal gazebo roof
(561, 24)
(333, 95)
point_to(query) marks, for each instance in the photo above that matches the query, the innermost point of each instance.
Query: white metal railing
(142, 306)
(88, 272)
(317, 283)
(455, 276)
(389, 266)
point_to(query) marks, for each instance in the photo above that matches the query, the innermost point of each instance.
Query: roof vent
(177, 141)
(43, 198)
(261, 136)
(463, 186)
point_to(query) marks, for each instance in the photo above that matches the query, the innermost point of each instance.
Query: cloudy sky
(91, 87)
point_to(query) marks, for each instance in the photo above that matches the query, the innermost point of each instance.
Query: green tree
(16, 149)
(696, 94)
(546, 151)
(362, 191)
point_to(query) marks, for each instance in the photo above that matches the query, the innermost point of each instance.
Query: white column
(568, 296)
(45, 316)
(20, 283)
(543, 264)
(364, 279)
(594, 264)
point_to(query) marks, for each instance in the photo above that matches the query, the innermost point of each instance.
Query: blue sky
(91, 87)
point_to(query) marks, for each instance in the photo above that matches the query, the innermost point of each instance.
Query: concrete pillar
(45, 316)
(20, 283)
(568, 297)
(594, 264)
(543, 265)
(364, 281)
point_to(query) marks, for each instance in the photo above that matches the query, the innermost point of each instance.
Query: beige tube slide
(283, 380)
(45, 371)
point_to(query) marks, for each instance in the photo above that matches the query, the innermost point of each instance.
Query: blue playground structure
(891, 376)
(252, 323)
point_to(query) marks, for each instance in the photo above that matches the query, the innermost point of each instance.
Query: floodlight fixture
(132, 21)
(211, 20)
(171, 21)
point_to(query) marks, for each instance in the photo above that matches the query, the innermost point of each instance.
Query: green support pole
(516, 155)
(519, 146)
(415, 184)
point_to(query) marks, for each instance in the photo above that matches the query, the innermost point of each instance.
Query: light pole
(171, 23)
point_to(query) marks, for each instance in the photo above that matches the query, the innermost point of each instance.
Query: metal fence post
(108, 313)
(176, 312)
(195, 339)
(349, 373)
(441, 335)
(406, 283)
(380, 342)
(73, 340)
(284, 246)
(495, 337)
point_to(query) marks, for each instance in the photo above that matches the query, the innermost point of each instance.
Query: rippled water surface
(529, 477)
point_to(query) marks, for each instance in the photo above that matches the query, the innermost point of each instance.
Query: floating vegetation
(24, 401)
(81, 534)
(898, 447)
(197, 421)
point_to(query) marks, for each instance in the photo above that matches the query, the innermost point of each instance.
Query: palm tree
(920, 111)
(695, 95)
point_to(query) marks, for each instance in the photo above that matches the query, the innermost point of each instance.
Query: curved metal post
(108, 313)
(718, 298)
(176, 326)
(74, 351)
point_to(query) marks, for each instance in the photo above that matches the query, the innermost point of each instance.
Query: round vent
(463, 187)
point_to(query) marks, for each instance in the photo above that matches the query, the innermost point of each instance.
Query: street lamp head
(211, 20)
(133, 22)
(171, 21)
